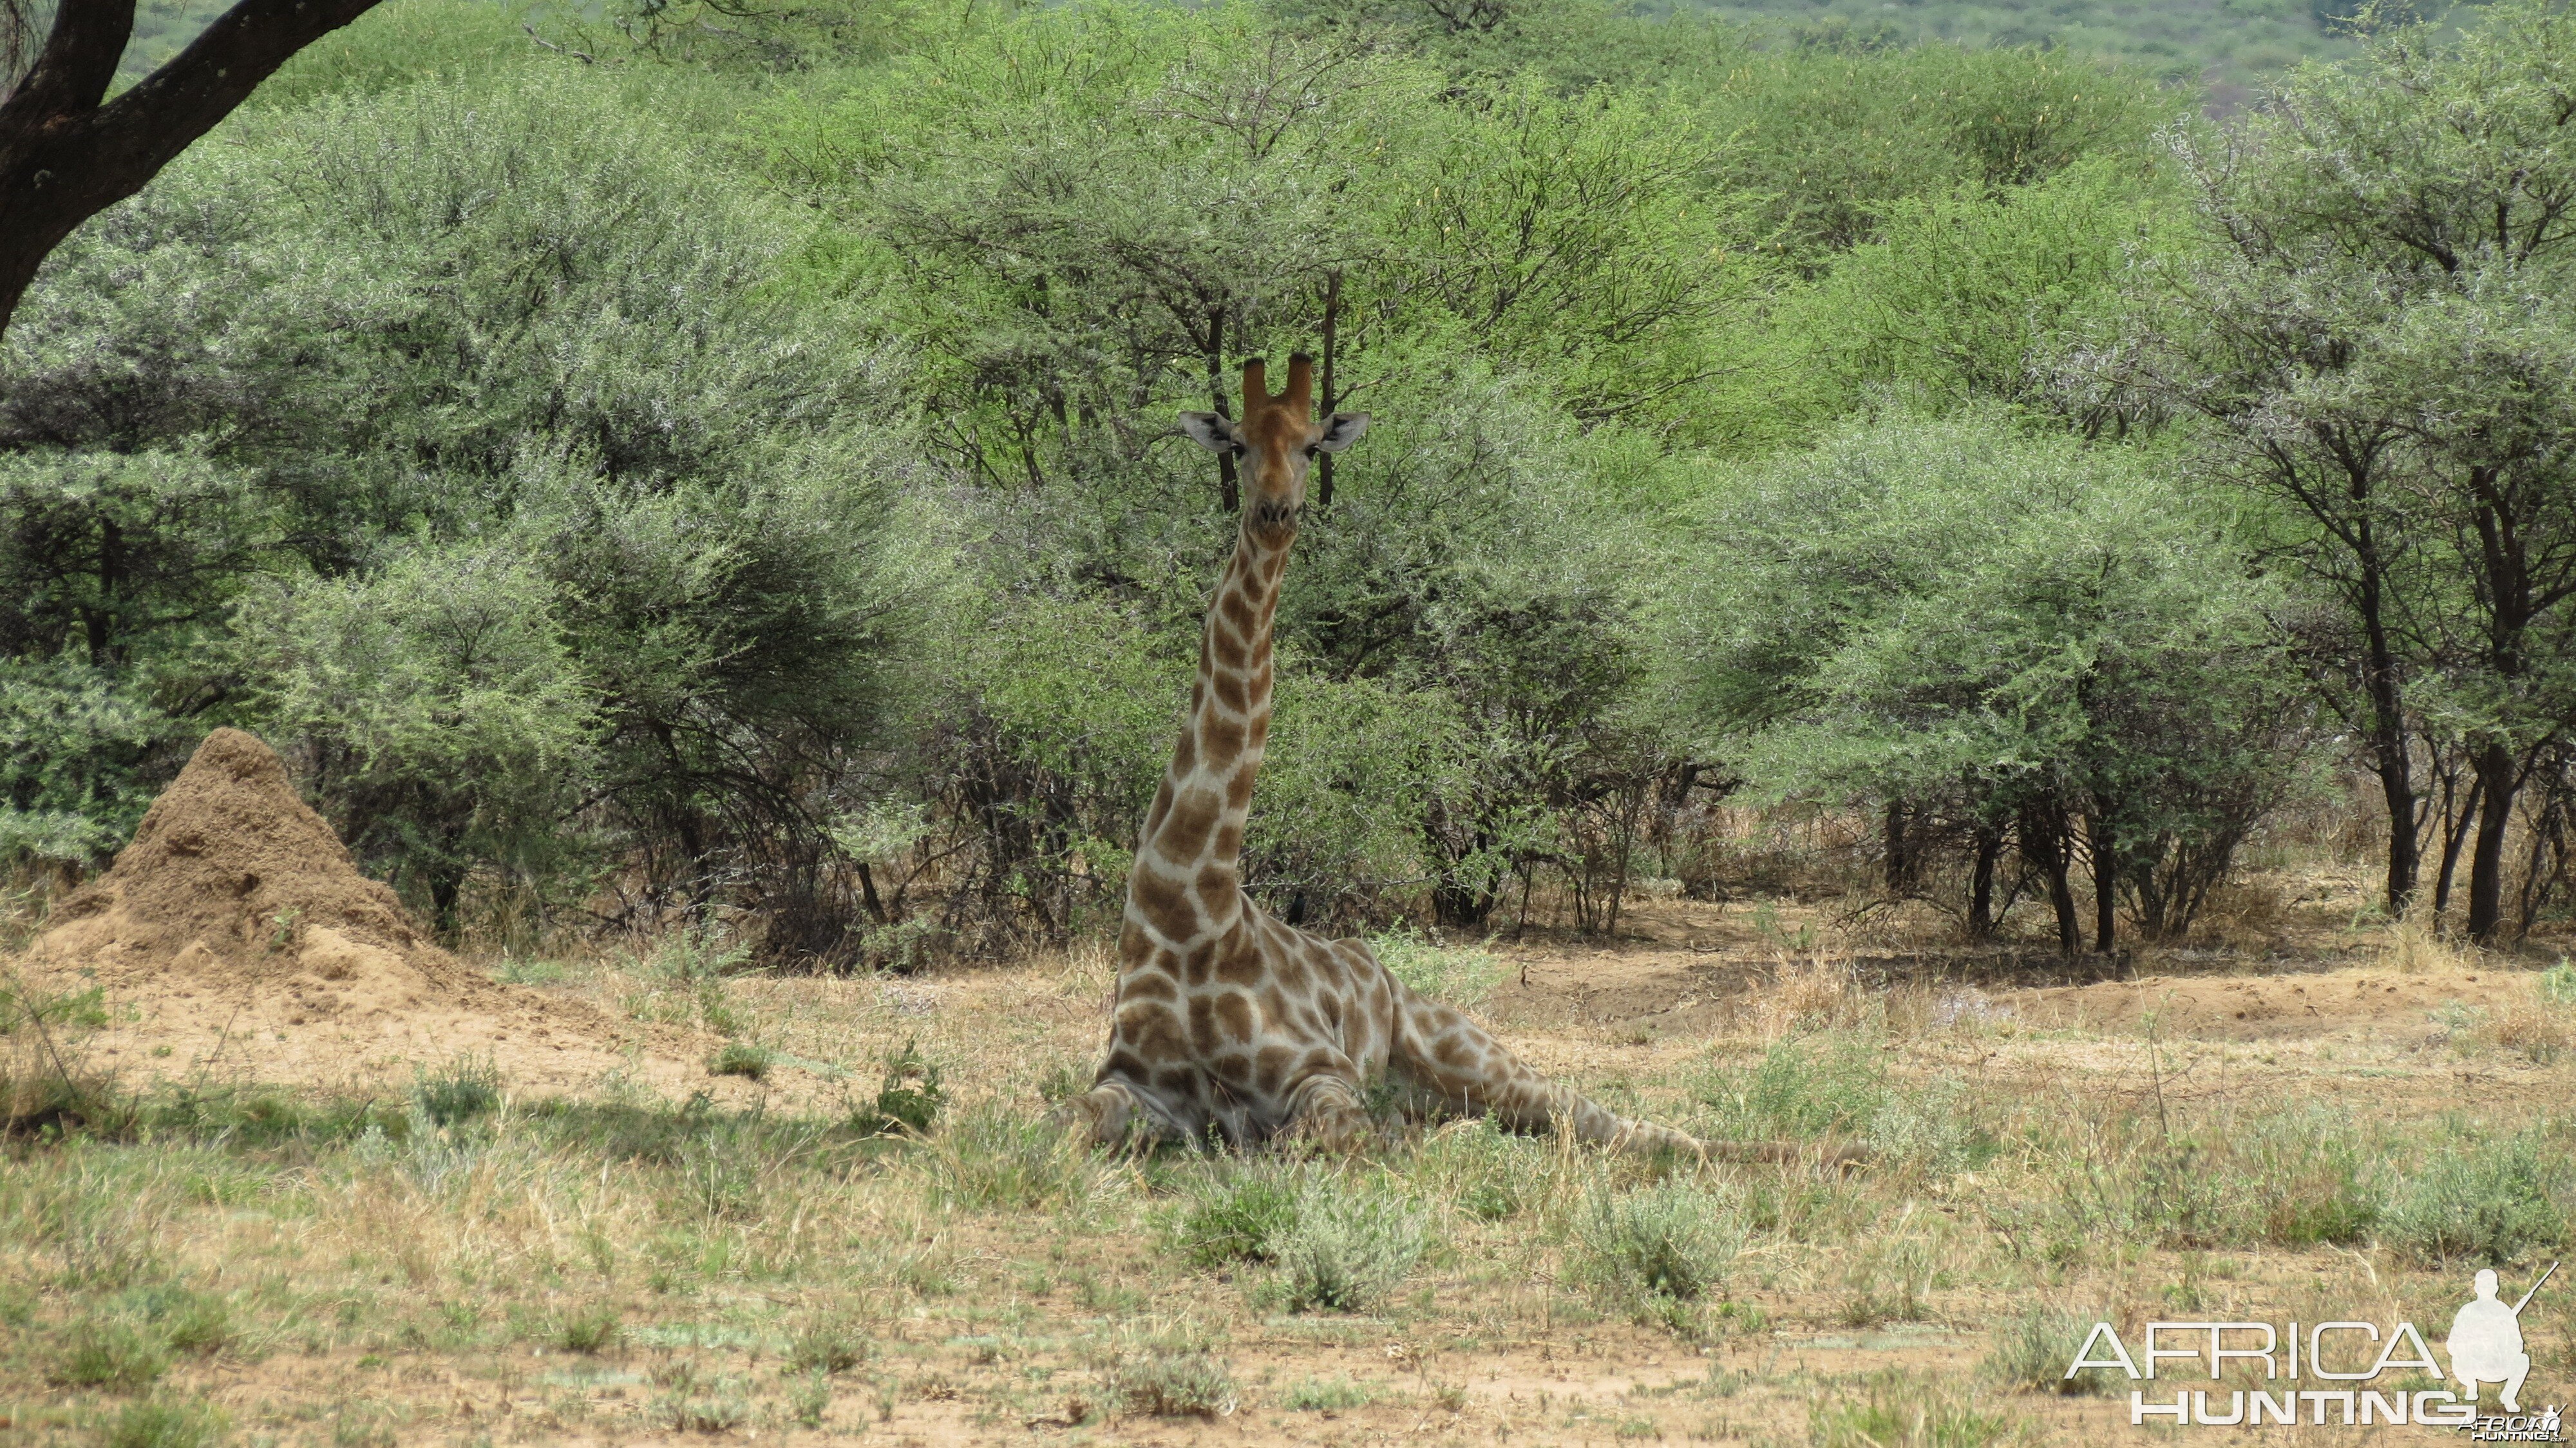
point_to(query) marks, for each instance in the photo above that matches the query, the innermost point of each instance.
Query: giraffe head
(1274, 441)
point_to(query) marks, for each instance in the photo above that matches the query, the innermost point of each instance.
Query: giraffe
(1227, 1019)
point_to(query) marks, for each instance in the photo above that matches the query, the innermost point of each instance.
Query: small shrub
(2308, 1179)
(907, 1100)
(827, 1345)
(2032, 1352)
(1670, 1241)
(110, 1353)
(2491, 1204)
(592, 1330)
(1319, 1395)
(1932, 1129)
(810, 1400)
(1239, 1217)
(1346, 1252)
(741, 1058)
(1168, 1372)
(156, 1423)
(2557, 985)
(458, 1092)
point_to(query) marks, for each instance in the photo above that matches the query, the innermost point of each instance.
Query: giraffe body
(1227, 1020)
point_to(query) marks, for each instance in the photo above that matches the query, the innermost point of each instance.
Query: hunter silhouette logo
(2486, 1341)
(2356, 1387)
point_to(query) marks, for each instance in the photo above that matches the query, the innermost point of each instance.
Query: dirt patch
(2349, 1002)
(235, 938)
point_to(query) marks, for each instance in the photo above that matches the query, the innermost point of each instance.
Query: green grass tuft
(157, 1423)
(908, 1098)
(111, 1353)
(1240, 1216)
(1670, 1241)
(458, 1092)
(1461, 976)
(591, 1330)
(741, 1058)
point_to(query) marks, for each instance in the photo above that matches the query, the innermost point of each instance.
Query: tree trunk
(1900, 871)
(2455, 835)
(1332, 398)
(2097, 832)
(1981, 884)
(2045, 843)
(2496, 769)
(1229, 491)
(2388, 741)
(64, 156)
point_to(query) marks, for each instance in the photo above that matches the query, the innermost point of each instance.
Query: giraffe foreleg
(1456, 1061)
(1109, 1114)
(1326, 1111)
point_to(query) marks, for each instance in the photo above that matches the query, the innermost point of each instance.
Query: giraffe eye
(1311, 450)
(1240, 450)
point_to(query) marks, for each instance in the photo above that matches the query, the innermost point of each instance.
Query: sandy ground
(1475, 1356)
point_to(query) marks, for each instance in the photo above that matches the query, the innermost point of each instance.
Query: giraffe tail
(1455, 1066)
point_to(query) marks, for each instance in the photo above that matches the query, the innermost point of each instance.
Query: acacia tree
(2028, 637)
(2380, 334)
(67, 152)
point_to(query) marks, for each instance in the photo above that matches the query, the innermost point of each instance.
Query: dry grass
(619, 1269)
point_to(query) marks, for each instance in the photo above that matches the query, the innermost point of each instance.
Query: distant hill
(2228, 45)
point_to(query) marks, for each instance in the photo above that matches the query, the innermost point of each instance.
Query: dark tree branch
(65, 156)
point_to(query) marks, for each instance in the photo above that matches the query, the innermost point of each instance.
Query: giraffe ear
(1342, 431)
(1211, 431)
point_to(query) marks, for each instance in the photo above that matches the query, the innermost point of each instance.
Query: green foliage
(189, 1321)
(746, 486)
(1461, 976)
(2492, 1203)
(829, 1345)
(2229, 45)
(1835, 1085)
(2373, 340)
(2557, 985)
(451, 726)
(991, 1159)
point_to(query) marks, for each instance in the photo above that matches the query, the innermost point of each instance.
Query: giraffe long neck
(1187, 883)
